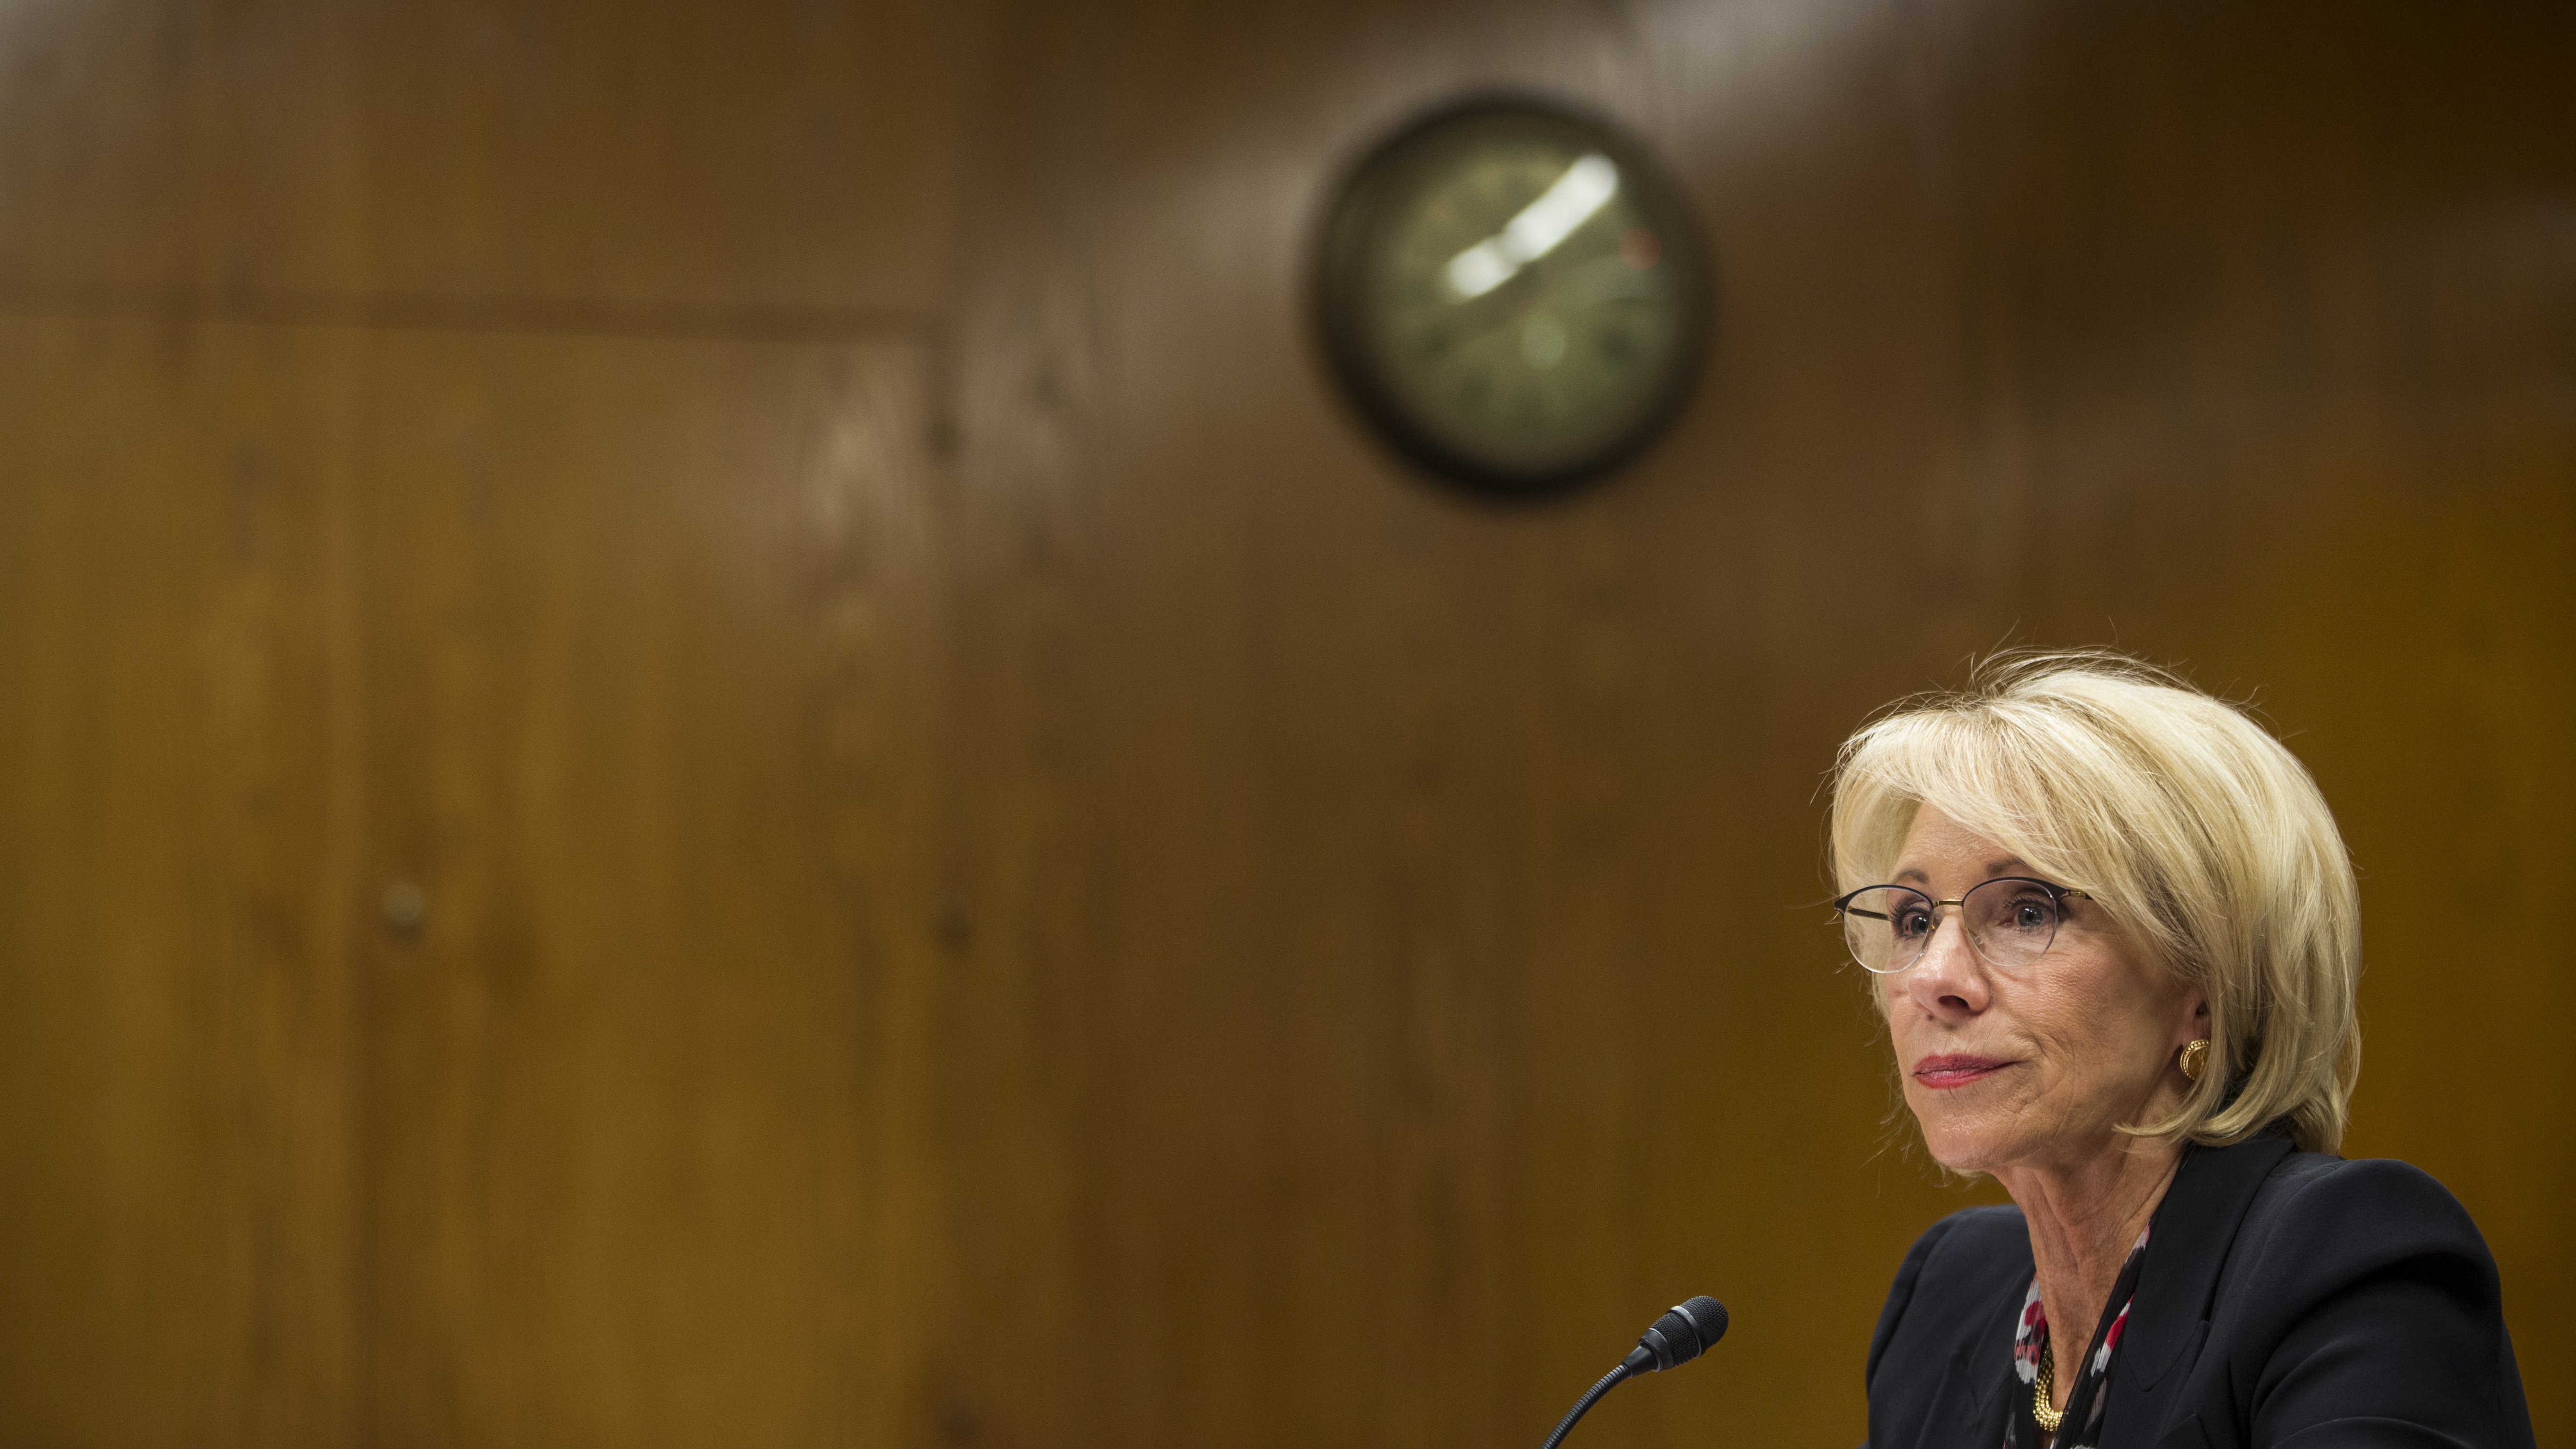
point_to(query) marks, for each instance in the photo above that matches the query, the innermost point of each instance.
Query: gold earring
(2195, 1058)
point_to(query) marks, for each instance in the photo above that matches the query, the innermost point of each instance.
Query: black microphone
(1686, 1331)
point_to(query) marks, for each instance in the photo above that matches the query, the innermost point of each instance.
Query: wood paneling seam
(419, 311)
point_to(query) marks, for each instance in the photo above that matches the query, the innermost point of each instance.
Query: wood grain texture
(648, 676)
(193, 153)
(997, 873)
(178, 815)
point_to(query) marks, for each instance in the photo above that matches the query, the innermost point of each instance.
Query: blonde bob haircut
(2198, 834)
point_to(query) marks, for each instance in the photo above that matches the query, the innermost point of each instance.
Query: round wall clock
(1513, 294)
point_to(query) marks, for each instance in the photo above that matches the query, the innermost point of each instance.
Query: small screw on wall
(405, 908)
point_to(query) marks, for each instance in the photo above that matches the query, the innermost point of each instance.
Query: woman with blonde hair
(2115, 937)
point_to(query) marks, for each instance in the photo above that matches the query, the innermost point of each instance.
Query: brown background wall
(996, 874)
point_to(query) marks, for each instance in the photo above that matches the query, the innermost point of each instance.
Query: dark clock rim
(1347, 230)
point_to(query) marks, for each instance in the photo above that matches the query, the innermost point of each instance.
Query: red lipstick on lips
(1943, 1073)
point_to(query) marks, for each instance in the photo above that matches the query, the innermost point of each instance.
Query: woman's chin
(1959, 1146)
(1966, 1160)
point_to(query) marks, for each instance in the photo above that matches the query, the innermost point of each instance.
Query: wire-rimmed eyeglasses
(2010, 921)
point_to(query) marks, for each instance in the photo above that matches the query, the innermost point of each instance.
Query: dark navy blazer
(2287, 1299)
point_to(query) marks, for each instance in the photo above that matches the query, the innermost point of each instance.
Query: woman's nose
(1948, 976)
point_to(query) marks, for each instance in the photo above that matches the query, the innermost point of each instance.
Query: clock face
(1513, 295)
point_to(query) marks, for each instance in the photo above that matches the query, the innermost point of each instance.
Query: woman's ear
(2196, 1024)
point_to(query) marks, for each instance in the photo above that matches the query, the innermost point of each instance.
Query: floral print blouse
(2081, 1428)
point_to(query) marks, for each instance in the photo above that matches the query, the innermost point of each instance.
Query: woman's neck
(2084, 1216)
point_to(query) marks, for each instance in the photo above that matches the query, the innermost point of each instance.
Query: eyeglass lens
(2010, 923)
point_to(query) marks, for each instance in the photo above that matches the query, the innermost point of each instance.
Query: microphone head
(1686, 1331)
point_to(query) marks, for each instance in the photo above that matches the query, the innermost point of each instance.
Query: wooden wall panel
(628, 1136)
(650, 690)
(178, 814)
(744, 166)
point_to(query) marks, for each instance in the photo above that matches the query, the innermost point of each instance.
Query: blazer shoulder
(1977, 1236)
(2362, 1290)
(1964, 1251)
(2358, 1179)
(2320, 1228)
(2360, 1215)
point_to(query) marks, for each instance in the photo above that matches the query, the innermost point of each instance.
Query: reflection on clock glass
(1519, 301)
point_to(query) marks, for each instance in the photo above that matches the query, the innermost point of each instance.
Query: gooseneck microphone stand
(1686, 1331)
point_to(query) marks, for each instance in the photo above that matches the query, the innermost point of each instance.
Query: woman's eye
(2030, 915)
(1910, 924)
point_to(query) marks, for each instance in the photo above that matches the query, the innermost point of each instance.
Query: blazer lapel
(2186, 1246)
(1970, 1397)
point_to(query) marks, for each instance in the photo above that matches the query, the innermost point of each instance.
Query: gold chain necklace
(2040, 1392)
